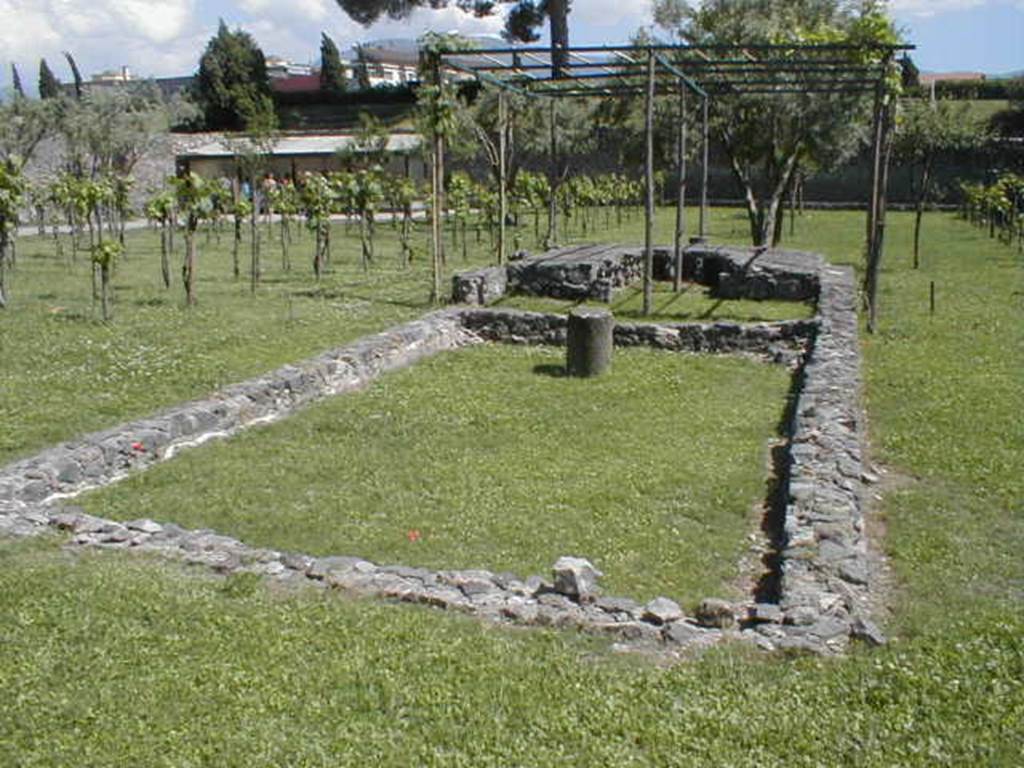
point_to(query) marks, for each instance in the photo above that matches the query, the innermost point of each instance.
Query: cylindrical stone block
(589, 342)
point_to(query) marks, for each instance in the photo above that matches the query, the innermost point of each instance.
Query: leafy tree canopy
(232, 88)
(521, 24)
(768, 137)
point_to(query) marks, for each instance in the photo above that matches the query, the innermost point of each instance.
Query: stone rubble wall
(497, 597)
(731, 272)
(479, 287)
(823, 571)
(590, 272)
(752, 273)
(781, 342)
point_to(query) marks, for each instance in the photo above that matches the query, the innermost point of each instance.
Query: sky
(165, 37)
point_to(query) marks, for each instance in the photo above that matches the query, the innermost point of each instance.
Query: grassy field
(111, 660)
(499, 464)
(64, 372)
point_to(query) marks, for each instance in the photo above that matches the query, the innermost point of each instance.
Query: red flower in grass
(138, 447)
(413, 535)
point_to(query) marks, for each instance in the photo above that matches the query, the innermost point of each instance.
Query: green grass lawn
(114, 660)
(656, 471)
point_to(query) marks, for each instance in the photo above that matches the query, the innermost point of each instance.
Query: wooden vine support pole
(677, 276)
(502, 172)
(883, 140)
(649, 189)
(437, 193)
(551, 241)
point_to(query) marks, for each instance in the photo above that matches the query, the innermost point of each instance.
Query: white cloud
(309, 10)
(624, 16)
(923, 8)
(150, 37)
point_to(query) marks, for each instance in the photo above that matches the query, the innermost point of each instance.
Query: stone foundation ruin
(820, 583)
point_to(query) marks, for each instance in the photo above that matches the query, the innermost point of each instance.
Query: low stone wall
(746, 273)
(596, 272)
(533, 601)
(825, 568)
(479, 287)
(782, 342)
(577, 272)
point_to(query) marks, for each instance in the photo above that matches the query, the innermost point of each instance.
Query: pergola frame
(704, 71)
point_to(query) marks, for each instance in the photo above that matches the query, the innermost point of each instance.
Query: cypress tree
(233, 88)
(332, 73)
(16, 81)
(49, 85)
(75, 73)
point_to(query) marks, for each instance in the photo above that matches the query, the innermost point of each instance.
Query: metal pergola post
(706, 153)
(680, 239)
(649, 188)
(551, 240)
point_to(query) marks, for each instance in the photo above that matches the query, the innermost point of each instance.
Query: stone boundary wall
(781, 342)
(752, 273)
(479, 286)
(822, 550)
(825, 574)
(731, 273)
(577, 272)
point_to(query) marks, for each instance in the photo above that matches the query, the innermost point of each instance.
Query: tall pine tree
(16, 81)
(75, 73)
(332, 73)
(233, 88)
(49, 85)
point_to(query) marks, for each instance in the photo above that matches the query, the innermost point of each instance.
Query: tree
(401, 194)
(16, 81)
(332, 73)
(79, 90)
(926, 130)
(12, 188)
(369, 143)
(317, 198)
(766, 138)
(49, 85)
(232, 88)
(1010, 121)
(527, 15)
(160, 208)
(438, 110)
(194, 199)
(361, 70)
(910, 75)
(23, 124)
(103, 256)
(110, 129)
(521, 23)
